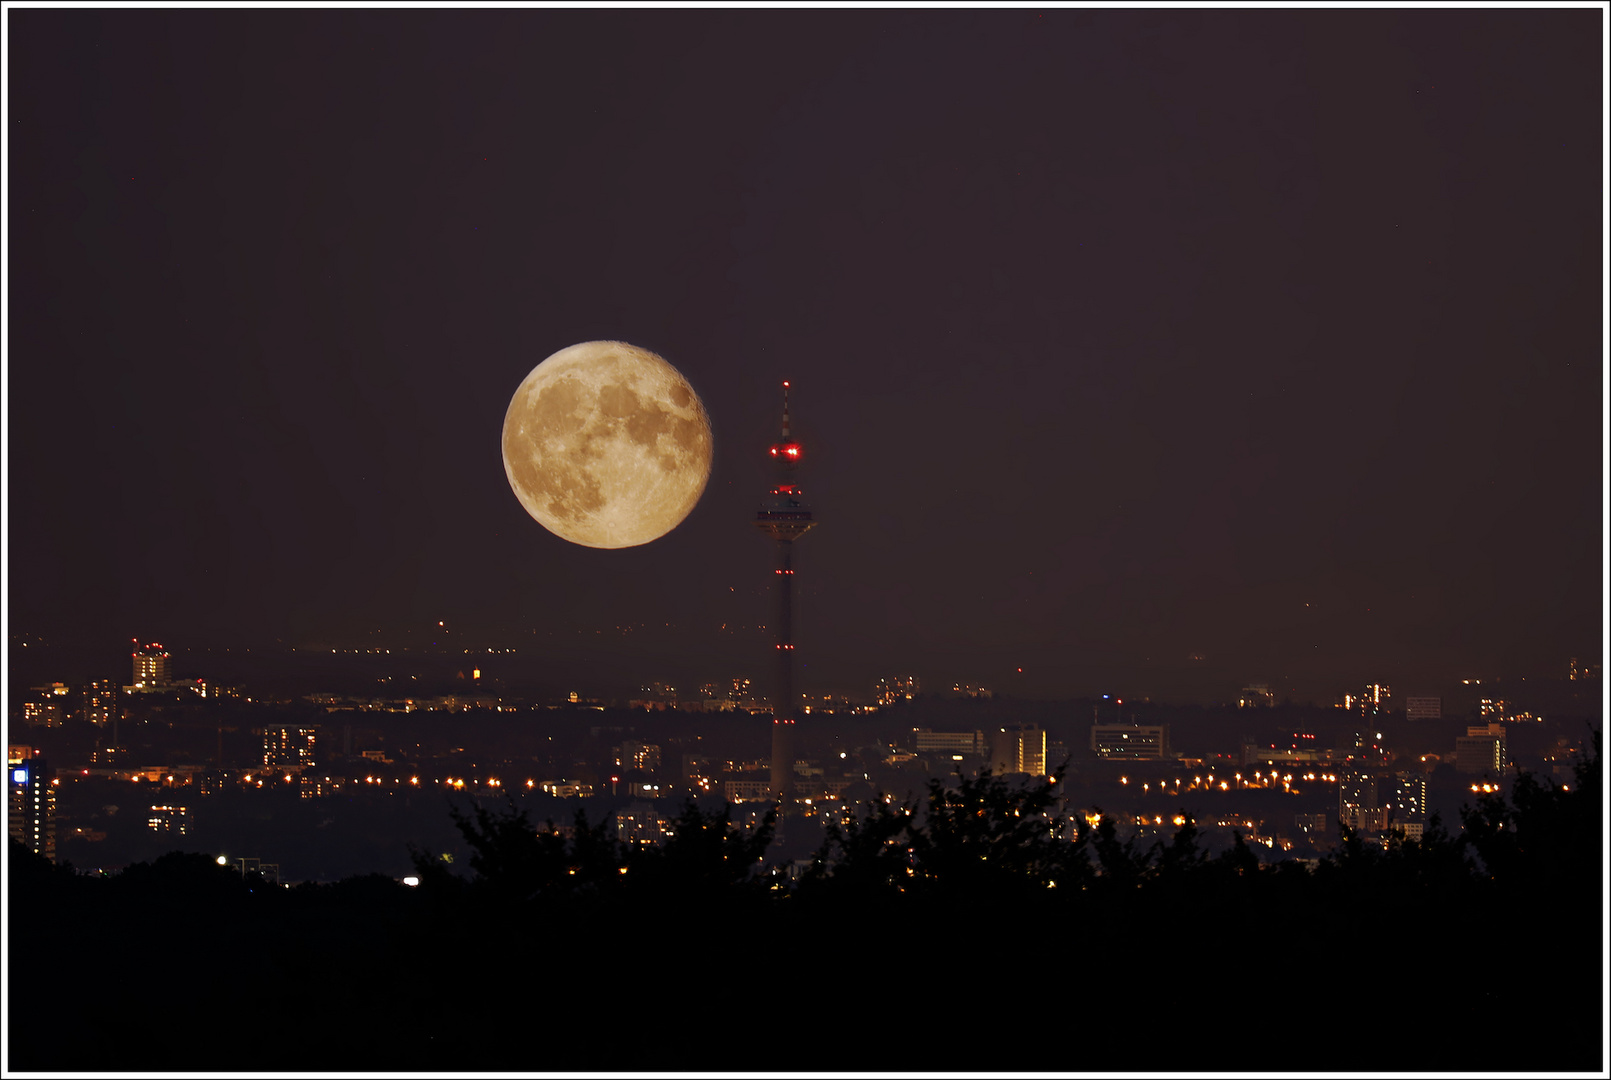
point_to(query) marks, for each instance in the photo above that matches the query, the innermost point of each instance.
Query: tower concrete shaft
(785, 518)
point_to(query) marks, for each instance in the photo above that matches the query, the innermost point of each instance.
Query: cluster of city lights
(455, 782)
(1258, 781)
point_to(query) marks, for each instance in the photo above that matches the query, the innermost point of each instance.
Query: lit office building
(1018, 750)
(1423, 708)
(1481, 750)
(948, 742)
(1296, 746)
(1130, 742)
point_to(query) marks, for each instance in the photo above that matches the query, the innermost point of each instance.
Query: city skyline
(1119, 339)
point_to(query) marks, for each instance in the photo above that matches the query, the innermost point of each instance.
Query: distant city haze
(1117, 338)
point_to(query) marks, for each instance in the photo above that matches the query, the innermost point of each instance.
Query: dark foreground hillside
(956, 935)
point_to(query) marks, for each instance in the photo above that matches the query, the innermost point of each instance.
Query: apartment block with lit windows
(288, 746)
(31, 803)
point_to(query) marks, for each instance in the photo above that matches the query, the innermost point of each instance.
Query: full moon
(606, 445)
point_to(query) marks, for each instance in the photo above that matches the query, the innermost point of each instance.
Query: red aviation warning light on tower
(785, 518)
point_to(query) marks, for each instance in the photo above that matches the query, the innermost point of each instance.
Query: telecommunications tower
(785, 518)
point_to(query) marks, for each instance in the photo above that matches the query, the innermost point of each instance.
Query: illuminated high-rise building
(1018, 750)
(1406, 796)
(31, 803)
(288, 746)
(785, 518)
(1359, 798)
(1482, 751)
(150, 668)
(100, 701)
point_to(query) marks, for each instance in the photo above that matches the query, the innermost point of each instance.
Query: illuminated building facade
(1130, 742)
(288, 746)
(1296, 746)
(645, 757)
(1406, 807)
(46, 706)
(1359, 802)
(1018, 750)
(1423, 708)
(952, 742)
(1255, 696)
(640, 823)
(100, 701)
(169, 819)
(785, 518)
(151, 670)
(1482, 750)
(31, 802)
(749, 789)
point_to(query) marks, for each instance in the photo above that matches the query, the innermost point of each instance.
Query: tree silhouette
(866, 858)
(1182, 858)
(907, 885)
(1123, 865)
(988, 836)
(1539, 838)
(706, 854)
(516, 863)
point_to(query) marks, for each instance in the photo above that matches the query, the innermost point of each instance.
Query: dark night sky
(1117, 335)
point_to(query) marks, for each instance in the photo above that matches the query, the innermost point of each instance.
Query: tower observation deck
(784, 517)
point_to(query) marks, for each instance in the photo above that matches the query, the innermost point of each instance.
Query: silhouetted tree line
(968, 930)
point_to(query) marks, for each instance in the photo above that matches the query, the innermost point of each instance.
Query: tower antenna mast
(784, 517)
